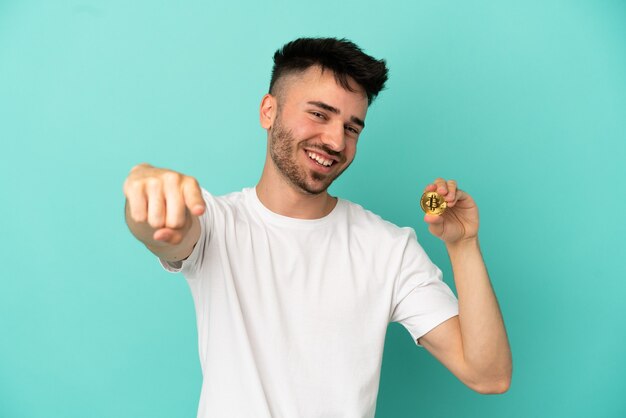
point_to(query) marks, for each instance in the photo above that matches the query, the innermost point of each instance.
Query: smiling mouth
(320, 160)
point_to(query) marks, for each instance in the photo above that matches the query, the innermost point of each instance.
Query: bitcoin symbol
(433, 203)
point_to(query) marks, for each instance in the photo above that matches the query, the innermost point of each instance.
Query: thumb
(435, 224)
(168, 236)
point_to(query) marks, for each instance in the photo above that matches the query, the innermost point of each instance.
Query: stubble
(284, 151)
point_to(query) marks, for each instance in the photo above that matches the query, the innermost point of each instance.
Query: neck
(283, 198)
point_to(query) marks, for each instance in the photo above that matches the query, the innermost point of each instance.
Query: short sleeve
(193, 262)
(422, 300)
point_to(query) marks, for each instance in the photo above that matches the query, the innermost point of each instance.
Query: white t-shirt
(292, 313)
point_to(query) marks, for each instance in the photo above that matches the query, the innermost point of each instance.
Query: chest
(325, 275)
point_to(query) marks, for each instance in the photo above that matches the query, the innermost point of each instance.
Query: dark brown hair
(341, 56)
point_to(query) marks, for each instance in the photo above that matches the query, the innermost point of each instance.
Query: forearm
(485, 344)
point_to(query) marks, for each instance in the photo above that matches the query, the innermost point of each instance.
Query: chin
(313, 187)
(313, 191)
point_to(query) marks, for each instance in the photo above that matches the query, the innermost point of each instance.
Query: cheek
(304, 129)
(350, 149)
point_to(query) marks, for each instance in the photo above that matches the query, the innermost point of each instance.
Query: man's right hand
(162, 207)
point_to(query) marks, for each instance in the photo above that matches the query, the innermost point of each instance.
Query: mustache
(324, 148)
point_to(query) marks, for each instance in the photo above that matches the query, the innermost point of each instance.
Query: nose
(334, 137)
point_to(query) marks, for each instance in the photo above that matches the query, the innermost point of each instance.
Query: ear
(267, 111)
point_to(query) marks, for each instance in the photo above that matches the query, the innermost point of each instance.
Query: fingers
(136, 201)
(448, 189)
(163, 199)
(175, 216)
(193, 196)
(156, 203)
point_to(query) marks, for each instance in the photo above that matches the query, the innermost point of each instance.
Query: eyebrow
(336, 111)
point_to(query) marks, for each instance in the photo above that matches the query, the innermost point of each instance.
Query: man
(294, 288)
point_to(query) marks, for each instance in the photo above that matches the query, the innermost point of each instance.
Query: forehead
(319, 84)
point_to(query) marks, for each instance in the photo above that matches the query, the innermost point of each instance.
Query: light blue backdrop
(523, 102)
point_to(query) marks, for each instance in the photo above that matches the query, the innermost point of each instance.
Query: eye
(318, 115)
(352, 130)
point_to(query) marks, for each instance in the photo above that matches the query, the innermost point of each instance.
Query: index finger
(193, 197)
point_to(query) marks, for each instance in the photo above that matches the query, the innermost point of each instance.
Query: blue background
(524, 103)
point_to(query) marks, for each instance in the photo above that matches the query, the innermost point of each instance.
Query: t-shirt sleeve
(193, 262)
(422, 300)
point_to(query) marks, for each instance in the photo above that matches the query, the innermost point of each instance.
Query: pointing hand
(160, 204)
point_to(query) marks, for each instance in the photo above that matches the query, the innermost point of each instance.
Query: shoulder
(222, 208)
(361, 218)
(232, 199)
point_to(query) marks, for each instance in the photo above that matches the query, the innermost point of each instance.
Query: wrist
(463, 244)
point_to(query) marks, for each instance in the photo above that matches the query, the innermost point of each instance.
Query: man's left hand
(460, 220)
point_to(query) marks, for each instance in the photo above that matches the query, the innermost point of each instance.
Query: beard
(284, 149)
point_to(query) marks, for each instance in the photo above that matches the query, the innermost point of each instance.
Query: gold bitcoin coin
(433, 203)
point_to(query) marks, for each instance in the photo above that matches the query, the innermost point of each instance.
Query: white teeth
(320, 160)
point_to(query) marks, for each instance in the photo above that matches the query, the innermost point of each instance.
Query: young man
(294, 288)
